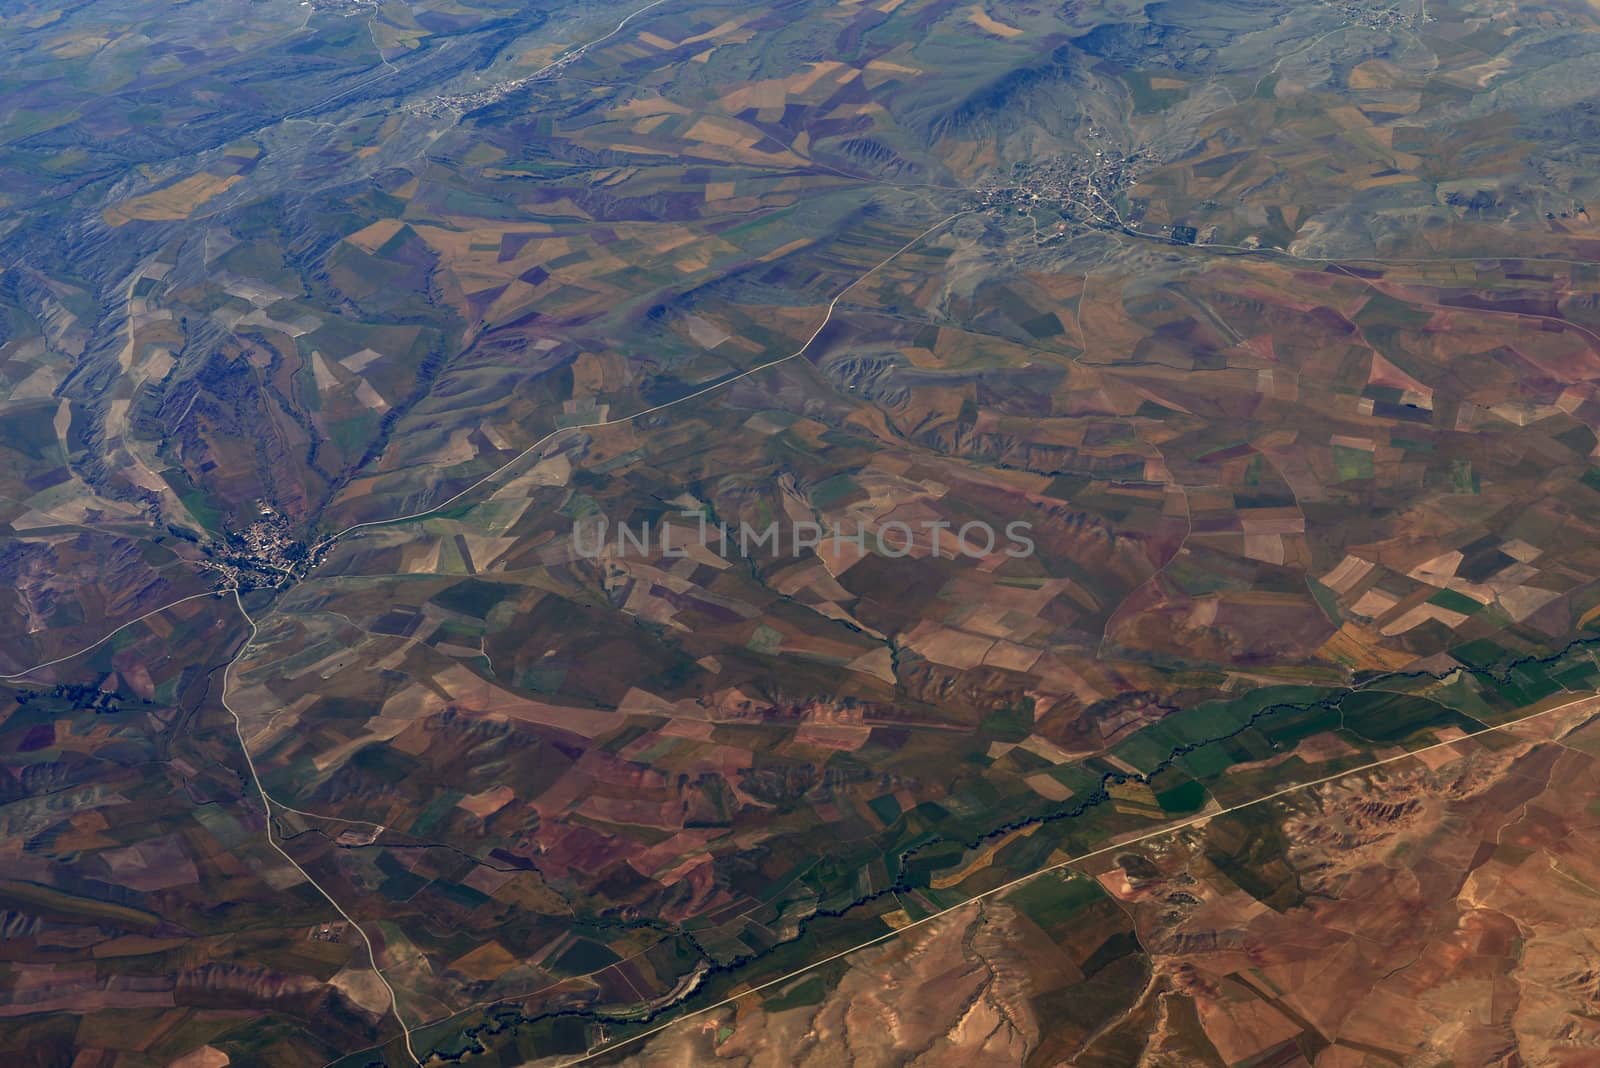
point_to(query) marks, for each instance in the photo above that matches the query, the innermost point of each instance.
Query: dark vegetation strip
(469, 1040)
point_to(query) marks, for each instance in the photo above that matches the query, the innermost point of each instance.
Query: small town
(1086, 189)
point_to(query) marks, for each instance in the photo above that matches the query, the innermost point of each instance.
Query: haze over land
(1277, 327)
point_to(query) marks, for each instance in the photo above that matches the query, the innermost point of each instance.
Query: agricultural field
(1330, 926)
(1235, 365)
